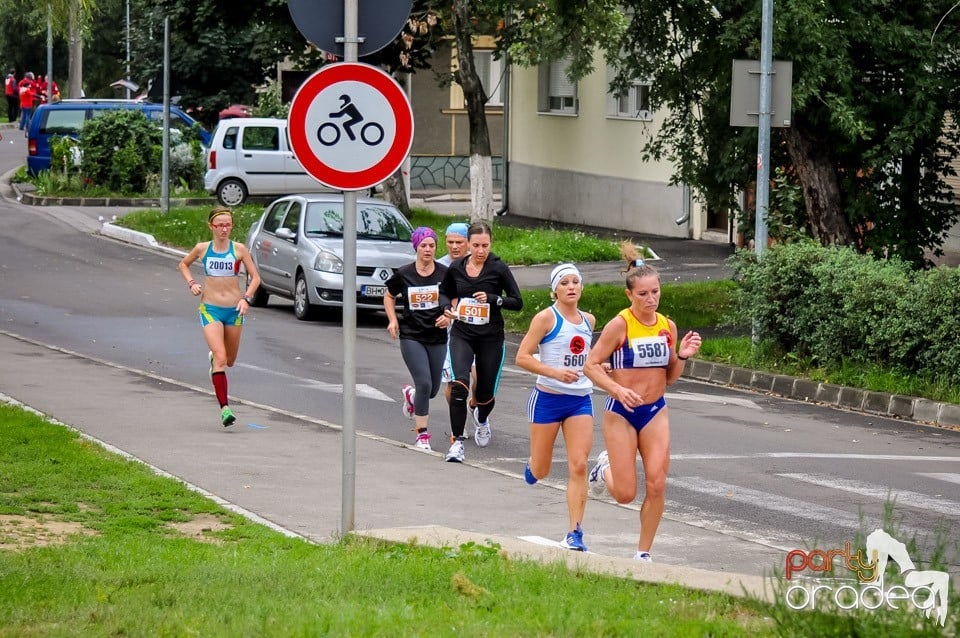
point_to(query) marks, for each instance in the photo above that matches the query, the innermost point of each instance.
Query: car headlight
(328, 262)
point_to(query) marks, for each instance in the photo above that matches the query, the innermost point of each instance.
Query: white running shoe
(595, 479)
(482, 432)
(643, 557)
(455, 454)
(423, 441)
(409, 392)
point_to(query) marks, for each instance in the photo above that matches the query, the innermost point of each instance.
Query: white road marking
(814, 455)
(363, 390)
(540, 540)
(711, 398)
(942, 476)
(902, 497)
(776, 503)
(673, 396)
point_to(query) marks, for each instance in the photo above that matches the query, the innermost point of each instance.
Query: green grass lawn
(94, 545)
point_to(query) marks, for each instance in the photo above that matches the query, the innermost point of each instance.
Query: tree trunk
(395, 192)
(75, 51)
(481, 172)
(821, 188)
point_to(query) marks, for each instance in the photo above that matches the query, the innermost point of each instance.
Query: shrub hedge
(833, 305)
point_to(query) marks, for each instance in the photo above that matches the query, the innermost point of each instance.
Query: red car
(236, 110)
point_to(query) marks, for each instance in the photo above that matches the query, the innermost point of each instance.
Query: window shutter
(560, 85)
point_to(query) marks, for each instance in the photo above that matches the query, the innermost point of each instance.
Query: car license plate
(373, 291)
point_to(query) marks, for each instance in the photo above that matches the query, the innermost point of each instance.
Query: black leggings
(489, 357)
(425, 363)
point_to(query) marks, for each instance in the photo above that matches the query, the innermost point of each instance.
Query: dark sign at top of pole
(321, 23)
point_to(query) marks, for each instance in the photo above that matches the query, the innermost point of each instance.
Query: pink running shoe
(408, 393)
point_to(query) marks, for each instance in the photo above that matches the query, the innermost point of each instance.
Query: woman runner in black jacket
(480, 286)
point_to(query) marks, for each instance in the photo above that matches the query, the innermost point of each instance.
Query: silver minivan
(253, 156)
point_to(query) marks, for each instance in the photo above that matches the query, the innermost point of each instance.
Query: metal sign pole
(763, 138)
(348, 496)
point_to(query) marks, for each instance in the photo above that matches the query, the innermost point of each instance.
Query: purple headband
(420, 233)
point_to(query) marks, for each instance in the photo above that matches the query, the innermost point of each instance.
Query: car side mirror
(286, 233)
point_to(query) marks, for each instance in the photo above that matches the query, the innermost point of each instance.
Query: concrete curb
(137, 238)
(147, 202)
(741, 585)
(894, 406)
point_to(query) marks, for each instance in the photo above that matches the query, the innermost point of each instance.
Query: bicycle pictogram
(371, 133)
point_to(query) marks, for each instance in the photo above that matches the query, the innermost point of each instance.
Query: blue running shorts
(547, 407)
(641, 415)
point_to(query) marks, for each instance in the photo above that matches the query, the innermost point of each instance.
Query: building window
(556, 93)
(491, 76)
(633, 103)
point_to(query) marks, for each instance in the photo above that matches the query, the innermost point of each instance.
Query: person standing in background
(27, 90)
(13, 96)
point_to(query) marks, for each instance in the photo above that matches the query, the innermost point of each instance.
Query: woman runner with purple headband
(421, 328)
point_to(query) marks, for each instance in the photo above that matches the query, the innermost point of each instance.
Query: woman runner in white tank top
(562, 335)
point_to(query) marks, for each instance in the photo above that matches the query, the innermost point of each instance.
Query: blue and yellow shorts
(227, 316)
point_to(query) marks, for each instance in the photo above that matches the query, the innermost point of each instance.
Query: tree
(23, 37)
(220, 49)
(532, 32)
(867, 140)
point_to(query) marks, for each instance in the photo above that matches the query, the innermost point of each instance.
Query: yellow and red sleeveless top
(644, 346)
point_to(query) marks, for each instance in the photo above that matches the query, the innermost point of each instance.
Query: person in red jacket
(46, 93)
(27, 89)
(13, 96)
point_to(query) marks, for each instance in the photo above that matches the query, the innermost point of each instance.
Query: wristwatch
(249, 300)
(499, 300)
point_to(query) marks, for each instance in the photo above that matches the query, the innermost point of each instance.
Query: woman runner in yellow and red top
(634, 361)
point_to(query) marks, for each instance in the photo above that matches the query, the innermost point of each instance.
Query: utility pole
(763, 137)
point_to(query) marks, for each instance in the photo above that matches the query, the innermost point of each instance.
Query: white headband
(560, 272)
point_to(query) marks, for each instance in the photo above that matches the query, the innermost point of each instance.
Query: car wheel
(231, 192)
(302, 307)
(260, 297)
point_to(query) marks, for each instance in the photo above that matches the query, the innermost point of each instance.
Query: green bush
(120, 150)
(833, 305)
(936, 322)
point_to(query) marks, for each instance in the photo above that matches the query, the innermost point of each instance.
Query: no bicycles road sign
(351, 125)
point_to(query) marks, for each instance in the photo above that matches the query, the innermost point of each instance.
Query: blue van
(66, 118)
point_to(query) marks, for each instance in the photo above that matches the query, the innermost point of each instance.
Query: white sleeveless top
(566, 346)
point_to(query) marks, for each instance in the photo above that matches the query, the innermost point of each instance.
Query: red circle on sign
(380, 82)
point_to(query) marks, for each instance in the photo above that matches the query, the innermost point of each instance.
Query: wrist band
(682, 358)
(191, 283)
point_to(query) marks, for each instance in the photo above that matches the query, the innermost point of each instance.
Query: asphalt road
(779, 473)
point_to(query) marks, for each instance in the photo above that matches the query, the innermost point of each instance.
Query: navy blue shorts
(641, 415)
(546, 407)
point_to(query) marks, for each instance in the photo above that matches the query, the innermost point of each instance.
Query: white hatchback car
(253, 156)
(297, 245)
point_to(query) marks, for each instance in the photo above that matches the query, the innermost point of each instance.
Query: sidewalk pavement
(284, 470)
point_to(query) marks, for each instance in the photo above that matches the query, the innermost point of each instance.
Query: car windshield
(374, 221)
